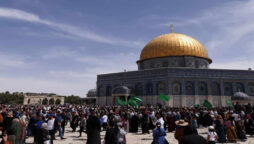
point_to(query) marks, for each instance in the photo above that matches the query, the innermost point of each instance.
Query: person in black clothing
(7, 122)
(134, 122)
(74, 122)
(145, 123)
(191, 136)
(43, 134)
(93, 129)
(111, 134)
(64, 122)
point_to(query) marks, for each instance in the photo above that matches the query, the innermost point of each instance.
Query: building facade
(42, 98)
(178, 66)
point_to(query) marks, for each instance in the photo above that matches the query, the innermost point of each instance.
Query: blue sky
(60, 46)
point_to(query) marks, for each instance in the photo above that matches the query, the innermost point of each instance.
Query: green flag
(207, 104)
(196, 105)
(164, 97)
(137, 99)
(229, 103)
(132, 102)
(120, 102)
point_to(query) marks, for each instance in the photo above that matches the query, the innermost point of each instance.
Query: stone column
(170, 93)
(196, 93)
(246, 90)
(234, 88)
(209, 92)
(183, 101)
(223, 103)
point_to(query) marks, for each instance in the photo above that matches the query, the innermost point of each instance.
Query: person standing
(159, 135)
(181, 125)
(43, 138)
(212, 135)
(111, 136)
(104, 121)
(93, 128)
(51, 127)
(220, 129)
(59, 123)
(82, 124)
(74, 122)
(16, 129)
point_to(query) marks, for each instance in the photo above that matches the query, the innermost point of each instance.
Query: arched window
(51, 101)
(139, 89)
(176, 88)
(189, 88)
(28, 102)
(228, 91)
(101, 91)
(161, 88)
(58, 101)
(151, 65)
(202, 88)
(45, 101)
(165, 64)
(142, 66)
(251, 88)
(149, 89)
(108, 91)
(216, 88)
(240, 87)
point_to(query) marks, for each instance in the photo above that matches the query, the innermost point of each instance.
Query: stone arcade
(176, 65)
(42, 98)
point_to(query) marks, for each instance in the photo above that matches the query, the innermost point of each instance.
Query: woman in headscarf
(240, 130)
(220, 129)
(230, 130)
(16, 129)
(171, 122)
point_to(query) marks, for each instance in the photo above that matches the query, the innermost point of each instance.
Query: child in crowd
(212, 135)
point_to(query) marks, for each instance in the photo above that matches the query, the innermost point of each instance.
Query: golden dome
(173, 44)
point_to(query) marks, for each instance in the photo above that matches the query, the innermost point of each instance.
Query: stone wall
(215, 85)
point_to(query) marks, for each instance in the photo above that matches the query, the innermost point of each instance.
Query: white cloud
(13, 61)
(226, 27)
(228, 23)
(67, 29)
(34, 84)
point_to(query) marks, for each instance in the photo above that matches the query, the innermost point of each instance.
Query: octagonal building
(176, 65)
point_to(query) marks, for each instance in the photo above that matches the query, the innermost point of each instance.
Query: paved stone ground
(72, 138)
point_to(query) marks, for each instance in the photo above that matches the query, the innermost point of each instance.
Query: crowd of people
(44, 122)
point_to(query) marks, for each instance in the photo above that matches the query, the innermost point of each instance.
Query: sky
(60, 46)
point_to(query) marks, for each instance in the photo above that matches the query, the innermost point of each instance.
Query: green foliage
(8, 98)
(73, 99)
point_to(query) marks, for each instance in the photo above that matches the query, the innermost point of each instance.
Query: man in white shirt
(104, 121)
(160, 120)
(51, 127)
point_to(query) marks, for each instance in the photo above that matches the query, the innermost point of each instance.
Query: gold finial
(171, 28)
